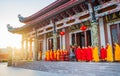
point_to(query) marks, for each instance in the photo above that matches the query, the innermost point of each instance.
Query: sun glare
(15, 41)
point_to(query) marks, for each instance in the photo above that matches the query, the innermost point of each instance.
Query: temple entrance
(81, 38)
(50, 43)
(115, 33)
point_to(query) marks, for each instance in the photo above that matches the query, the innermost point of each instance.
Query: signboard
(113, 16)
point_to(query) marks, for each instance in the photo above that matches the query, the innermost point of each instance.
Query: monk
(78, 54)
(109, 53)
(51, 55)
(55, 55)
(62, 52)
(67, 55)
(58, 55)
(47, 55)
(95, 54)
(89, 53)
(117, 52)
(103, 53)
(83, 54)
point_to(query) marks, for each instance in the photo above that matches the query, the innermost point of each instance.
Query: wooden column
(22, 47)
(54, 35)
(30, 52)
(35, 54)
(94, 24)
(26, 51)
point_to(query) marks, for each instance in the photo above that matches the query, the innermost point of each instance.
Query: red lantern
(62, 33)
(83, 27)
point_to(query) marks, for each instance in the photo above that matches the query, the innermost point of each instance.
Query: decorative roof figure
(21, 18)
(9, 27)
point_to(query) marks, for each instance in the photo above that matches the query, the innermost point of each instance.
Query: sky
(9, 10)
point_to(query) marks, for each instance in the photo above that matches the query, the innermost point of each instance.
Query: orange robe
(58, 55)
(117, 52)
(55, 55)
(109, 53)
(47, 55)
(51, 56)
(95, 54)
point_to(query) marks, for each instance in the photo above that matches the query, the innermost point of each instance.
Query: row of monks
(57, 55)
(85, 54)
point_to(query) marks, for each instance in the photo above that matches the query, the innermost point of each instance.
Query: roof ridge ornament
(9, 27)
(21, 18)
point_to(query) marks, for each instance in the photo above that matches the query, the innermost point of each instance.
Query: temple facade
(41, 31)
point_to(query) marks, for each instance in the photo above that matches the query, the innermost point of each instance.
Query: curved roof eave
(26, 19)
(53, 12)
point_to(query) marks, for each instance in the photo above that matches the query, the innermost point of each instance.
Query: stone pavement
(74, 68)
(12, 71)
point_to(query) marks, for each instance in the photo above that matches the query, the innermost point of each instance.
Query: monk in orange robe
(61, 55)
(47, 55)
(67, 55)
(95, 54)
(103, 53)
(55, 55)
(89, 54)
(117, 52)
(78, 54)
(58, 55)
(51, 56)
(109, 53)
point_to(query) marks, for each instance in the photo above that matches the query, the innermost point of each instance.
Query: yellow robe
(58, 55)
(109, 54)
(117, 52)
(51, 56)
(55, 55)
(48, 55)
(95, 54)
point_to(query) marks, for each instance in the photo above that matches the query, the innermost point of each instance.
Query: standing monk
(83, 54)
(58, 55)
(95, 54)
(55, 55)
(78, 54)
(47, 55)
(117, 52)
(103, 53)
(89, 54)
(109, 53)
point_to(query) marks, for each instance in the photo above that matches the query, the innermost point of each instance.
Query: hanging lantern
(62, 33)
(83, 27)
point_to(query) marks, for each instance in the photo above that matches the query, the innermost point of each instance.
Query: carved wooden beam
(76, 9)
(64, 14)
(83, 6)
(70, 12)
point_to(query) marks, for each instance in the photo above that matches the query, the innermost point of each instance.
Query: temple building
(42, 30)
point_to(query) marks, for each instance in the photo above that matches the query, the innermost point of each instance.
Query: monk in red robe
(78, 54)
(83, 54)
(89, 54)
(103, 53)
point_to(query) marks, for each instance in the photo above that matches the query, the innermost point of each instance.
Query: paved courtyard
(74, 68)
(12, 71)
